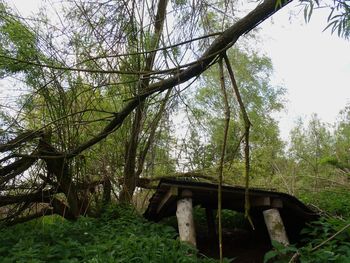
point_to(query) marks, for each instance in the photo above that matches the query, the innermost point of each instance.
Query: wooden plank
(260, 201)
(277, 203)
(171, 193)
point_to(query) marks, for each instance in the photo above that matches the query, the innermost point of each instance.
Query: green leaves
(17, 44)
(253, 72)
(335, 244)
(280, 253)
(120, 235)
(338, 18)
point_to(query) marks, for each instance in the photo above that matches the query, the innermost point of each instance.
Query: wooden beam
(276, 203)
(172, 193)
(266, 201)
(260, 201)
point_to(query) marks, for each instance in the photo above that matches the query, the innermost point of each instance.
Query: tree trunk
(129, 183)
(57, 166)
(130, 173)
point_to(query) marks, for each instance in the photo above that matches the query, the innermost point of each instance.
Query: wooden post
(184, 216)
(275, 226)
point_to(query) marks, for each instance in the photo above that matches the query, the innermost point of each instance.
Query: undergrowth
(325, 240)
(120, 235)
(334, 203)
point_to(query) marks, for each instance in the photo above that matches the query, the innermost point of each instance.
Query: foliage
(73, 106)
(308, 148)
(342, 141)
(120, 235)
(252, 71)
(16, 41)
(338, 18)
(280, 253)
(229, 218)
(336, 249)
(333, 201)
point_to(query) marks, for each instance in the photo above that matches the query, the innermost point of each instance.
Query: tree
(310, 146)
(261, 99)
(110, 50)
(341, 159)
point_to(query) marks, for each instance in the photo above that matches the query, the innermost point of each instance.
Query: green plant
(119, 235)
(326, 240)
(334, 202)
(280, 253)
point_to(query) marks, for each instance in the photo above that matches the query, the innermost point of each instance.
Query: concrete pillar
(184, 214)
(275, 226)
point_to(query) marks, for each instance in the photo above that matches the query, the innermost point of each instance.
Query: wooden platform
(293, 212)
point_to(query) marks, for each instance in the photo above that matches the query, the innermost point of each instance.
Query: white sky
(313, 66)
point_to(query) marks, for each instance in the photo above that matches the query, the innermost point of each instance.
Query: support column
(184, 214)
(275, 226)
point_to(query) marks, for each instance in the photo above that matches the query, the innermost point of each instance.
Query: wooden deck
(294, 213)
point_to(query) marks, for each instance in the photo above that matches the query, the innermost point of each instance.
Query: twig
(294, 257)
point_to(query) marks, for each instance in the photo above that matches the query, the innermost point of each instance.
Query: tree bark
(130, 173)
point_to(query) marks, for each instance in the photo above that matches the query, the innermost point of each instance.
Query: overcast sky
(313, 66)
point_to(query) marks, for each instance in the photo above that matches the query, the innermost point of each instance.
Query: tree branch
(227, 39)
(247, 125)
